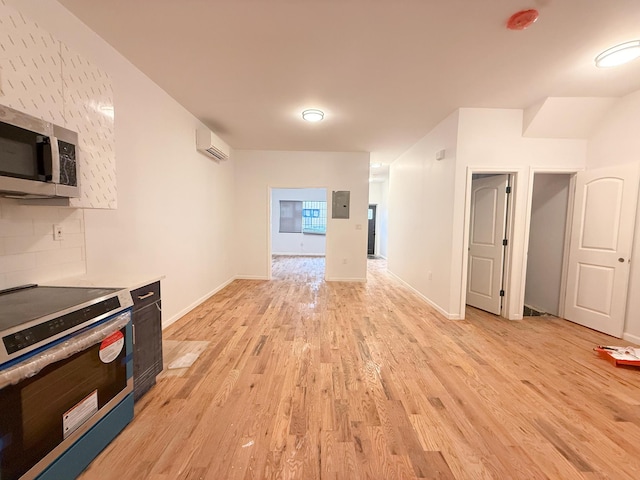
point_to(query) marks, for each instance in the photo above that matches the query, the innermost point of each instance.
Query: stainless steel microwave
(37, 158)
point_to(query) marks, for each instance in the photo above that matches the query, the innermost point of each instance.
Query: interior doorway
(298, 227)
(371, 238)
(548, 244)
(488, 241)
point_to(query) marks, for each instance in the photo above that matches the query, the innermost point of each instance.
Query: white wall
(616, 141)
(346, 239)
(295, 243)
(546, 241)
(421, 200)
(175, 210)
(378, 195)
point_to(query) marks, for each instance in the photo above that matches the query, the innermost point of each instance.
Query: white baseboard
(202, 299)
(250, 277)
(631, 338)
(441, 311)
(338, 279)
(297, 254)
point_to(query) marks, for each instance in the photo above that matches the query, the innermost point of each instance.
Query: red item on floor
(620, 355)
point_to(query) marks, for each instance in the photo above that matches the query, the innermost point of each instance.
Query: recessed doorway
(371, 237)
(548, 243)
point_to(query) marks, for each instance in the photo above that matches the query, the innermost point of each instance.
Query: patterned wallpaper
(41, 76)
(88, 110)
(31, 79)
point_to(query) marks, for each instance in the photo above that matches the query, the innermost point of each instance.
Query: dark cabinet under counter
(147, 349)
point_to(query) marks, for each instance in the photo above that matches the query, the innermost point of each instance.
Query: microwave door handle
(55, 160)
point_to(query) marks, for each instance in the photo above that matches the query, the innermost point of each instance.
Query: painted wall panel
(421, 200)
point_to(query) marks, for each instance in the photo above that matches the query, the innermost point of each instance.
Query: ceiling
(384, 71)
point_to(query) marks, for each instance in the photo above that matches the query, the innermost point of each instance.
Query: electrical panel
(340, 204)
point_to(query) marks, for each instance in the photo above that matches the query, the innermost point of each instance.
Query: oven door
(46, 413)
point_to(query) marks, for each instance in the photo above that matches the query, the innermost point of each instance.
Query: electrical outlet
(430, 275)
(57, 232)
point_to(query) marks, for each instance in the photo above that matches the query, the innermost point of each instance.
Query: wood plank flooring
(304, 379)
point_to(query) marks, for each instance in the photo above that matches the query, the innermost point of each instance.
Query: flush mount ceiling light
(623, 53)
(376, 165)
(313, 115)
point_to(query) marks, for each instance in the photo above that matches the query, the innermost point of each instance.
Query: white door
(600, 247)
(486, 233)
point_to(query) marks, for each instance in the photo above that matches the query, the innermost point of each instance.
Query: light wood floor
(305, 379)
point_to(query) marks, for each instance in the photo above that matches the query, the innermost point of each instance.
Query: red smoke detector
(522, 19)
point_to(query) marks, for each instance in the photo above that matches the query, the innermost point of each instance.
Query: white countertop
(129, 280)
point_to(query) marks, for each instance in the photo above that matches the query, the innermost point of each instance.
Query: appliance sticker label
(72, 419)
(111, 347)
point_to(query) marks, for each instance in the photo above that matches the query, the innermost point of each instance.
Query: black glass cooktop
(18, 306)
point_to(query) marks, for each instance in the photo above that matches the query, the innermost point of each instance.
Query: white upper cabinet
(41, 76)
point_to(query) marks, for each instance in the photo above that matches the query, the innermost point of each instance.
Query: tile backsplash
(28, 251)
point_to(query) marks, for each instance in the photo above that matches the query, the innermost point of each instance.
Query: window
(290, 216)
(303, 217)
(314, 217)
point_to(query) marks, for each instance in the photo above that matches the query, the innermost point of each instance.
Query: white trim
(251, 277)
(339, 279)
(297, 254)
(439, 309)
(195, 304)
(270, 189)
(517, 174)
(631, 338)
(570, 201)
(269, 229)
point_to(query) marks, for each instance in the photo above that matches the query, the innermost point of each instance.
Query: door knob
(621, 260)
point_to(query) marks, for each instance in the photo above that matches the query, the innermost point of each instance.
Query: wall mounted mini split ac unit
(210, 144)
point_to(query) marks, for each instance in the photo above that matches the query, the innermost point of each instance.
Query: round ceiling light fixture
(522, 19)
(623, 53)
(313, 115)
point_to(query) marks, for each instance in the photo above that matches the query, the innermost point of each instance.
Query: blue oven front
(62, 404)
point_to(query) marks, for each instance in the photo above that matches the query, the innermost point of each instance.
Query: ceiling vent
(210, 144)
